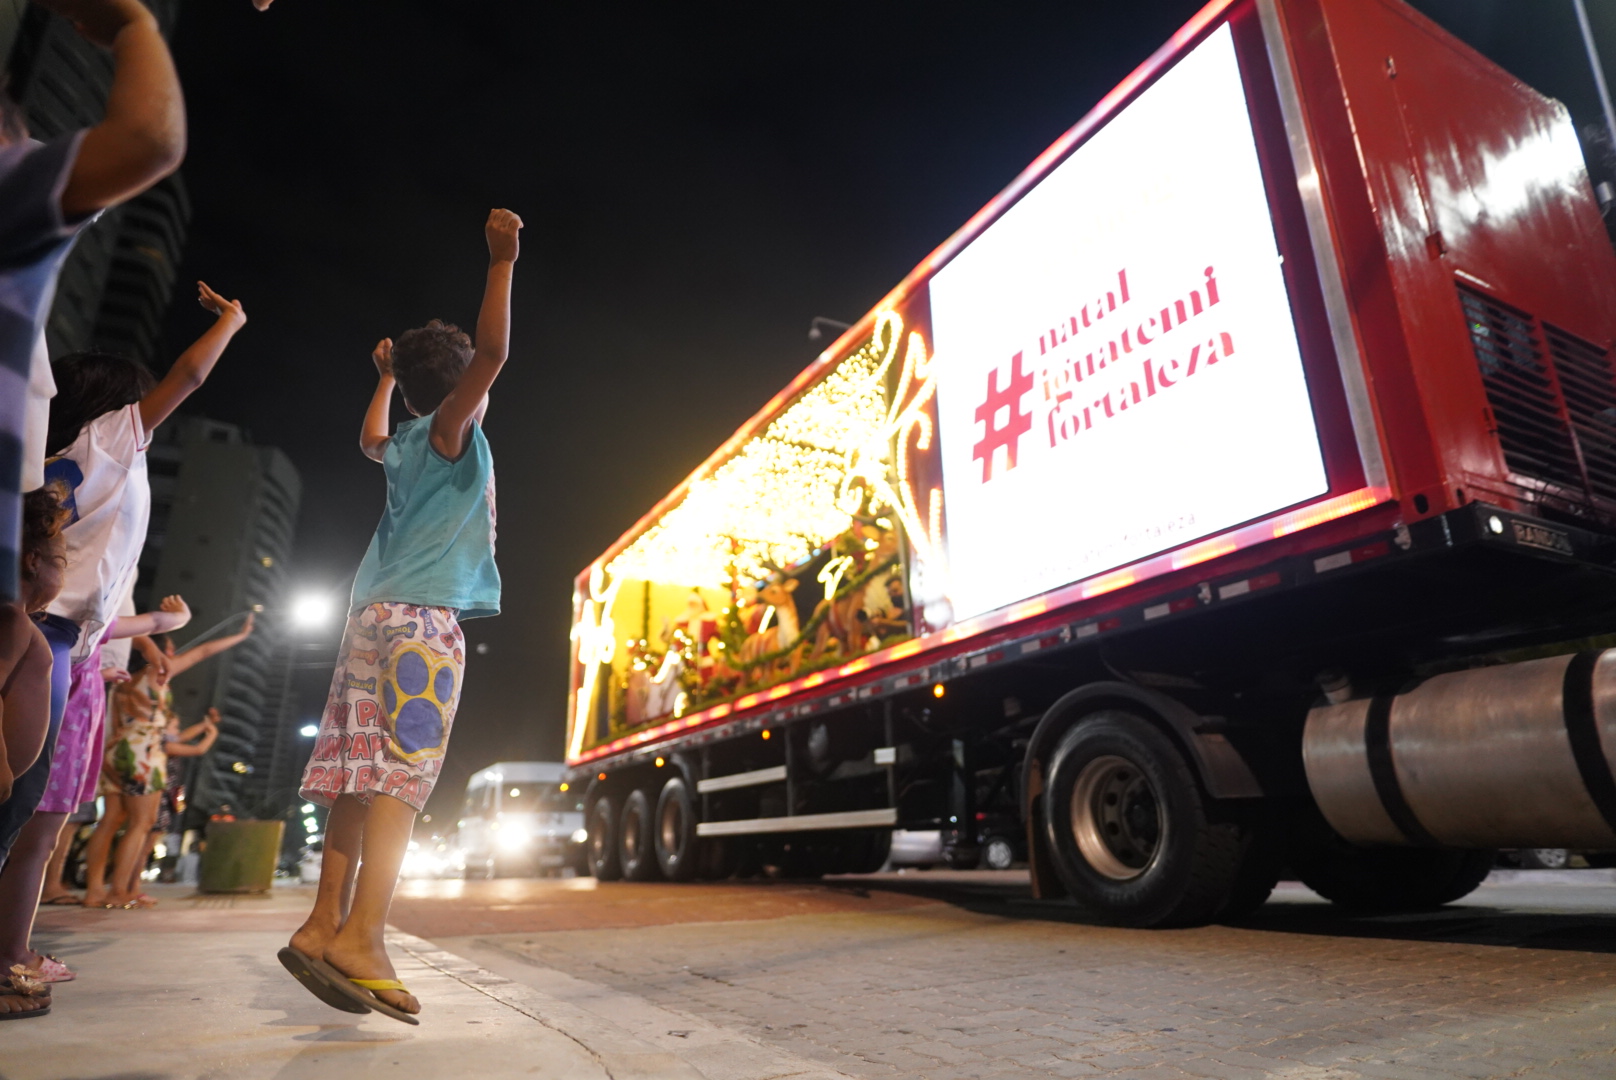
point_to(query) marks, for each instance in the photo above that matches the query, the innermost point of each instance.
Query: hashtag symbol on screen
(1016, 424)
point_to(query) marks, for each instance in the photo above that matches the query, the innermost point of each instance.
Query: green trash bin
(240, 856)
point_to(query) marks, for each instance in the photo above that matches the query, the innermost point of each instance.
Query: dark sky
(697, 180)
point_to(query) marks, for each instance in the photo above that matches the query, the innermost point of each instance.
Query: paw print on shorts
(416, 695)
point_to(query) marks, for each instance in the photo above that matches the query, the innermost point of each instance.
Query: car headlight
(514, 838)
(580, 836)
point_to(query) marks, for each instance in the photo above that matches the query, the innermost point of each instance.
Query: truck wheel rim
(1116, 818)
(1000, 854)
(631, 835)
(597, 846)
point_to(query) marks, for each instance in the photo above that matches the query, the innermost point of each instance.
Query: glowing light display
(792, 487)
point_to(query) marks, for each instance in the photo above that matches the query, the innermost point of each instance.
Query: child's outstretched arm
(171, 614)
(209, 728)
(184, 661)
(142, 137)
(191, 370)
(373, 436)
(464, 404)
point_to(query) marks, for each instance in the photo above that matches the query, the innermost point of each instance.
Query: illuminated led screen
(1116, 361)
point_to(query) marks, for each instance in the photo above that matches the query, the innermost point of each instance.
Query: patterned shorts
(392, 703)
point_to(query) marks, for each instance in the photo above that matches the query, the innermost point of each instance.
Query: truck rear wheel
(636, 837)
(1391, 879)
(602, 853)
(1128, 830)
(675, 834)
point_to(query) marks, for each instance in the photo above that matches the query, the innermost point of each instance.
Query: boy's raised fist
(99, 21)
(502, 230)
(382, 357)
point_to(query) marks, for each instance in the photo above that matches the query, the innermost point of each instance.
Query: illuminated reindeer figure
(778, 631)
(840, 615)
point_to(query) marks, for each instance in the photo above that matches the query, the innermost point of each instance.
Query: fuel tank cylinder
(1517, 755)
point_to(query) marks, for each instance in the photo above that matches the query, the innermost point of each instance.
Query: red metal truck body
(1453, 296)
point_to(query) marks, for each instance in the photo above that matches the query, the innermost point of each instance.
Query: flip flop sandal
(303, 968)
(30, 1015)
(23, 984)
(52, 970)
(359, 991)
(65, 900)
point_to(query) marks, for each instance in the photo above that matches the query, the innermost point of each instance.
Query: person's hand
(247, 627)
(100, 21)
(225, 309)
(155, 657)
(211, 722)
(502, 230)
(382, 357)
(176, 605)
(111, 675)
(262, 5)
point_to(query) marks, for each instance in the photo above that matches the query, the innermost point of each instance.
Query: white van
(520, 819)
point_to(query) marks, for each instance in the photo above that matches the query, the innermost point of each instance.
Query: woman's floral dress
(136, 760)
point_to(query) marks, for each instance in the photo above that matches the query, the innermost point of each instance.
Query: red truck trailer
(1236, 491)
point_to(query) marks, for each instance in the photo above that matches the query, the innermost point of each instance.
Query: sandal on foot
(52, 970)
(23, 984)
(360, 992)
(305, 969)
(64, 900)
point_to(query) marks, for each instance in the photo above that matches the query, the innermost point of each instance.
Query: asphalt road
(964, 975)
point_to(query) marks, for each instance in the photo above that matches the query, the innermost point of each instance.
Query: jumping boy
(398, 676)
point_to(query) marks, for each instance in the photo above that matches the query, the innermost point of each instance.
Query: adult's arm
(142, 136)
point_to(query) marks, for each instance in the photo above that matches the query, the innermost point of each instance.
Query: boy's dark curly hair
(43, 517)
(428, 362)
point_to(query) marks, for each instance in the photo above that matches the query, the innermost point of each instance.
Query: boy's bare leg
(142, 811)
(57, 867)
(99, 849)
(19, 888)
(358, 949)
(344, 833)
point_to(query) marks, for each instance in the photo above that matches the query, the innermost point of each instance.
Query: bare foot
(313, 936)
(18, 1003)
(361, 959)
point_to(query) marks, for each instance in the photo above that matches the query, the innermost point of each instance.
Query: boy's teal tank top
(435, 543)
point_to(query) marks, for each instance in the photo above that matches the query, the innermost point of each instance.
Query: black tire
(1128, 830)
(601, 856)
(1260, 868)
(636, 837)
(675, 841)
(1389, 879)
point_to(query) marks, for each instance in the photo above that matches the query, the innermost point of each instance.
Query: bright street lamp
(311, 610)
(309, 731)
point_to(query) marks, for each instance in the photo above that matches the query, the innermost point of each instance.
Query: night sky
(697, 182)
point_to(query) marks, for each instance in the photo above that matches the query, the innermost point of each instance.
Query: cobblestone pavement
(975, 979)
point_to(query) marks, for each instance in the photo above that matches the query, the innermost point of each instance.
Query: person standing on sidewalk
(398, 677)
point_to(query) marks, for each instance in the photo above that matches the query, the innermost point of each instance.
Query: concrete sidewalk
(192, 991)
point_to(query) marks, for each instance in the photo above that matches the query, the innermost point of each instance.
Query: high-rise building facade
(117, 281)
(223, 514)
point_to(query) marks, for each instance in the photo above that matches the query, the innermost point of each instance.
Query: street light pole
(1598, 70)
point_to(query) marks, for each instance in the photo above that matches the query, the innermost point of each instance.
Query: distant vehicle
(521, 818)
